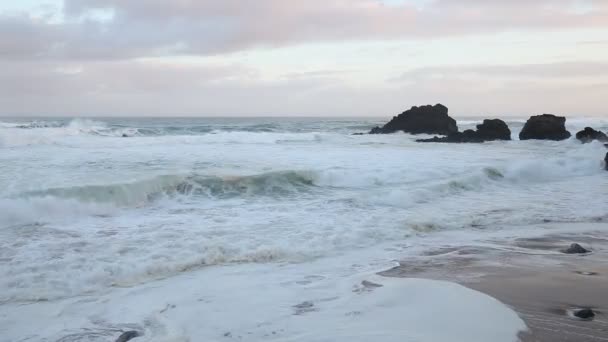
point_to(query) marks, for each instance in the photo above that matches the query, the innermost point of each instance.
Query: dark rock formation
(127, 336)
(545, 127)
(589, 134)
(495, 129)
(606, 162)
(584, 313)
(489, 130)
(575, 248)
(376, 130)
(421, 120)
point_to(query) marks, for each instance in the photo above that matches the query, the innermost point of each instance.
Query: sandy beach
(535, 278)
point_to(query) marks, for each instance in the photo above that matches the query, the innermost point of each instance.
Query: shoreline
(534, 278)
(545, 302)
(484, 292)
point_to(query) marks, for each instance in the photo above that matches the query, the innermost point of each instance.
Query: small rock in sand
(575, 248)
(127, 336)
(584, 313)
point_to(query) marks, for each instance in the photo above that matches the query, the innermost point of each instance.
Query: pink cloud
(159, 27)
(132, 88)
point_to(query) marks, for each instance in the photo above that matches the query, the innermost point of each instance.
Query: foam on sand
(271, 303)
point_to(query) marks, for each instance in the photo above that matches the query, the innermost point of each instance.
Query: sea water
(258, 229)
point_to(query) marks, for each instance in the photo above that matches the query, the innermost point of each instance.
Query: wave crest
(273, 184)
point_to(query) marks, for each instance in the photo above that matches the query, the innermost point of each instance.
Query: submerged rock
(369, 284)
(304, 307)
(575, 248)
(589, 134)
(489, 130)
(421, 120)
(376, 130)
(545, 127)
(468, 136)
(584, 313)
(127, 336)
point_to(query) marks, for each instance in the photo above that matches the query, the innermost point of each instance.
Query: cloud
(118, 57)
(131, 28)
(148, 88)
(25, 79)
(160, 88)
(548, 71)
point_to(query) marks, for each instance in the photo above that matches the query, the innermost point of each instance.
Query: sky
(302, 57)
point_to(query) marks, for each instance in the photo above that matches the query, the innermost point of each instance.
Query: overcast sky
(302, 57)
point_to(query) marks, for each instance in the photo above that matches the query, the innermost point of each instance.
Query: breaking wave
(272, 184)
(38, 124)
(50, 132)
(73, 127)
(577, 163)
(40, 132)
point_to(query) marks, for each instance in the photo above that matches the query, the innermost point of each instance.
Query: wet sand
(545, 300)
(533, 277)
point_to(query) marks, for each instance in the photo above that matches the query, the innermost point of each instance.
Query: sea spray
(86, 211)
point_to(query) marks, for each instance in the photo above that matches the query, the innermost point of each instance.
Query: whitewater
(256, 229)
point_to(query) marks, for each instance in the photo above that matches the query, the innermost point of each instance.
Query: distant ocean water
(91, 205)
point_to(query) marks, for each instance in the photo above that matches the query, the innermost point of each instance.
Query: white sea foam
(48, 209)
(86, 211)
(276, 303)
(36, 132)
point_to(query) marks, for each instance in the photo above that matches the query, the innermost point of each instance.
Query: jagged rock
(589, 134)
(584, 313)
(545, 127)
(127, 336)
(575, 248)
(421, 120)
(376, 130)
(487, 131)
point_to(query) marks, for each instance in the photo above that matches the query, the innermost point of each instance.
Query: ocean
(255, 229)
